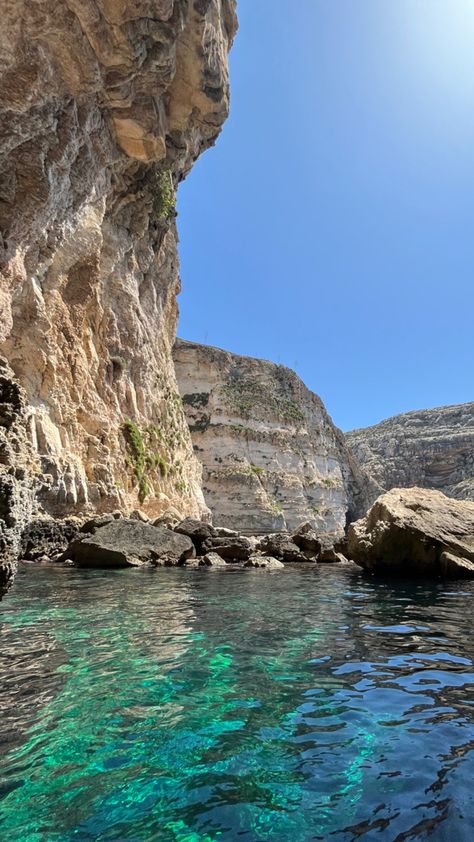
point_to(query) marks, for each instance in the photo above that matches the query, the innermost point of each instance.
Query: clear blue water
(208, 707)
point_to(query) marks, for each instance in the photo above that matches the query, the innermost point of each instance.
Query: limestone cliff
(432, 448)
(271, 455)
(104, 107)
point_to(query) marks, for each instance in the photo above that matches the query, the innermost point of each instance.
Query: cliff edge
(104, 107)
(430, 448)
(271, 455)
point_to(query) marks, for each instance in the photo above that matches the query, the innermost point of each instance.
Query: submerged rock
(131, 543)
(415, 531)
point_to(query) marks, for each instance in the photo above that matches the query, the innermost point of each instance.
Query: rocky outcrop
(105, 106)
(112, 541)
(212, 560)
(432, 448)
(47, 539)
(271, 455)
(414, 532)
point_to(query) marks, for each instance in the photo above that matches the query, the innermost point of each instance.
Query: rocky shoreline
(113, 541)
(102, 412)
(406, 533)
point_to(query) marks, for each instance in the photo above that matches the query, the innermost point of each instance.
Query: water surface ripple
(312, 704)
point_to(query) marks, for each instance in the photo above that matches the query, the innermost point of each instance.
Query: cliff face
(104, 107)
(271, 455)
(431, 448)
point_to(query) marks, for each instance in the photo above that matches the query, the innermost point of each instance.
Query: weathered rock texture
(415, 531)
(432, 448)
(130, 543)
(18, 465)
(271, 455)
(104, 107)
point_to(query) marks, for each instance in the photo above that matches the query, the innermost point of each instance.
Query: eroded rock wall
(432, 448)
(104, 107)
(19, 464)
(271, 456)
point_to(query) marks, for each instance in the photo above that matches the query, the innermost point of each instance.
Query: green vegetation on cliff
(144, 457)
(247, 397)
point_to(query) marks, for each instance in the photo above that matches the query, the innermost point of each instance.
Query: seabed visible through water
(208, 706)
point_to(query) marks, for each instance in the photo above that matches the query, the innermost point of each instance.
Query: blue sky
(331, 227)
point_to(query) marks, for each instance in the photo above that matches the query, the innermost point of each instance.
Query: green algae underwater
(208, 706)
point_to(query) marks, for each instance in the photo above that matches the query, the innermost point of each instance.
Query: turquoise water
(207, 707)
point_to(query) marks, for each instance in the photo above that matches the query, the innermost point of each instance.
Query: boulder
(213, 560)
(197, 530)
(330, 552)
(415, 531)
(282, 547)
(307, 539)
(210, 560)
(130, 543)
(328, 555)
(232, 549)
(264, 562)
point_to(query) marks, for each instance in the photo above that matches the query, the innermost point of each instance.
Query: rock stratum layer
(271, 455)
(432, 448)
(104, 107)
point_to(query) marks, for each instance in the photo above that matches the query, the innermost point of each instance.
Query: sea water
(206, 706)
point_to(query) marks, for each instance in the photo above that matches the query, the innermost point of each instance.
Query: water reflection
(175, 705)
